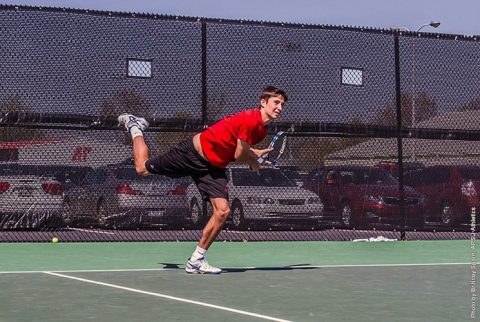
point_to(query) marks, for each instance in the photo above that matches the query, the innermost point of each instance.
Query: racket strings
(278, 145)
(278, 149)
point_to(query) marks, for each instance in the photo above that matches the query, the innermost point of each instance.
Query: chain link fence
(386, 138)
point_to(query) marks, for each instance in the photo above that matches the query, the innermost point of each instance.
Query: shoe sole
(200, 272)
(203, 273)
(121, 121)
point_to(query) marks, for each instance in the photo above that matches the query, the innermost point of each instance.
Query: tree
(13, 133)
(164, 140)
(125, 101)
(425, 108)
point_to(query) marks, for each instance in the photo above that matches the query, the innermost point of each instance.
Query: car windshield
(371, 176)
(264, 177)
(470, 173)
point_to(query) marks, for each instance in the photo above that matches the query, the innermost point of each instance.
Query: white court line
(223, 308)
(238, 268)
(94, 270)
(92, 231)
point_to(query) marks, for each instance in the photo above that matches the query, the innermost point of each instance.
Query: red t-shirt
(219, 141)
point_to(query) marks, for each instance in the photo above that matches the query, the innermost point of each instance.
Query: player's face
(273, 107)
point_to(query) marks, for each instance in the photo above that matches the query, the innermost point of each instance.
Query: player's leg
(140, 155)
(197, 262)
(213, 186)
(135, 127)
(221, 211)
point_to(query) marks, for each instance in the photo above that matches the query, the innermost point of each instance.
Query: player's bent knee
(222, 214)
(141, 170)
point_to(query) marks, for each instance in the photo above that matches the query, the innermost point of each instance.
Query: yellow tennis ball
(54, 240)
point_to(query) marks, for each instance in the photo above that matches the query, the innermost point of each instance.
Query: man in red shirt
(205, 158)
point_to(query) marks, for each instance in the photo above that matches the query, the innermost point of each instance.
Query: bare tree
(164, 140)
(13, 133)
(425, 108)
(125, 101)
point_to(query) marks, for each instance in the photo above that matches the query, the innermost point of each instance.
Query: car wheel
(446, 214)
(102, 212)
(346, 214)
(196, 213)
(237, 217)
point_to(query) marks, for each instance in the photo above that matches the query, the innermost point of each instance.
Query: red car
(450, 192)
(360, 195)
(392, 167)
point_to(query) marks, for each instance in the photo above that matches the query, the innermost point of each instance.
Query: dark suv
(359, 195)
(450, 192)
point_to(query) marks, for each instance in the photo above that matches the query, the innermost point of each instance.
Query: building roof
(456, 120)
(427, 151)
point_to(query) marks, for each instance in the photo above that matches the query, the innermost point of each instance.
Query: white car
(30, 201)
(265, 196)
(116, 196)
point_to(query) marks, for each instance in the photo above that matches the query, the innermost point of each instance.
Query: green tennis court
(278, 281)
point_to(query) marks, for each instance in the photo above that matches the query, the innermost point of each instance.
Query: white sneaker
(201, 266)
(130, 121)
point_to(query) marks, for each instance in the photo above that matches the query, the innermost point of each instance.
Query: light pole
(433, 24)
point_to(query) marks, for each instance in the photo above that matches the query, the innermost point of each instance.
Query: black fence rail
(385, 140)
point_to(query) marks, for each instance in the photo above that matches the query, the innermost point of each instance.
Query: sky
(456, 17)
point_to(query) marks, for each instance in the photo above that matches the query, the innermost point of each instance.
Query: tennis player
(205, 158)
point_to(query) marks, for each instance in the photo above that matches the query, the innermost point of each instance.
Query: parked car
(68, 176)
(392, 167)
(116, 196)
(29, 201)
(361, 195)
(450, 192)
(266, 196)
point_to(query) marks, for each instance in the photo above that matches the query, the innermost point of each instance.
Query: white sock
(135, 131)
(199, 253)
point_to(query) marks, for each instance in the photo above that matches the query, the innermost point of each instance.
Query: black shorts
(183, 160)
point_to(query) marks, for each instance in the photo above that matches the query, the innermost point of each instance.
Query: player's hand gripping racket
(278, 144)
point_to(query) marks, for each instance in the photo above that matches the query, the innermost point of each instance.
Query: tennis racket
(278, 144)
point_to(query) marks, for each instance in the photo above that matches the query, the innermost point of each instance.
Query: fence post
(204, 94)
(204, 74)
(398, 101)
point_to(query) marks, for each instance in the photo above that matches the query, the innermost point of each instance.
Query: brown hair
(270, 91)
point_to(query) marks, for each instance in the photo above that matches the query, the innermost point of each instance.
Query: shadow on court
(246, 269)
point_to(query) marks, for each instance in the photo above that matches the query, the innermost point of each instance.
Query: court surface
(262, 281)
